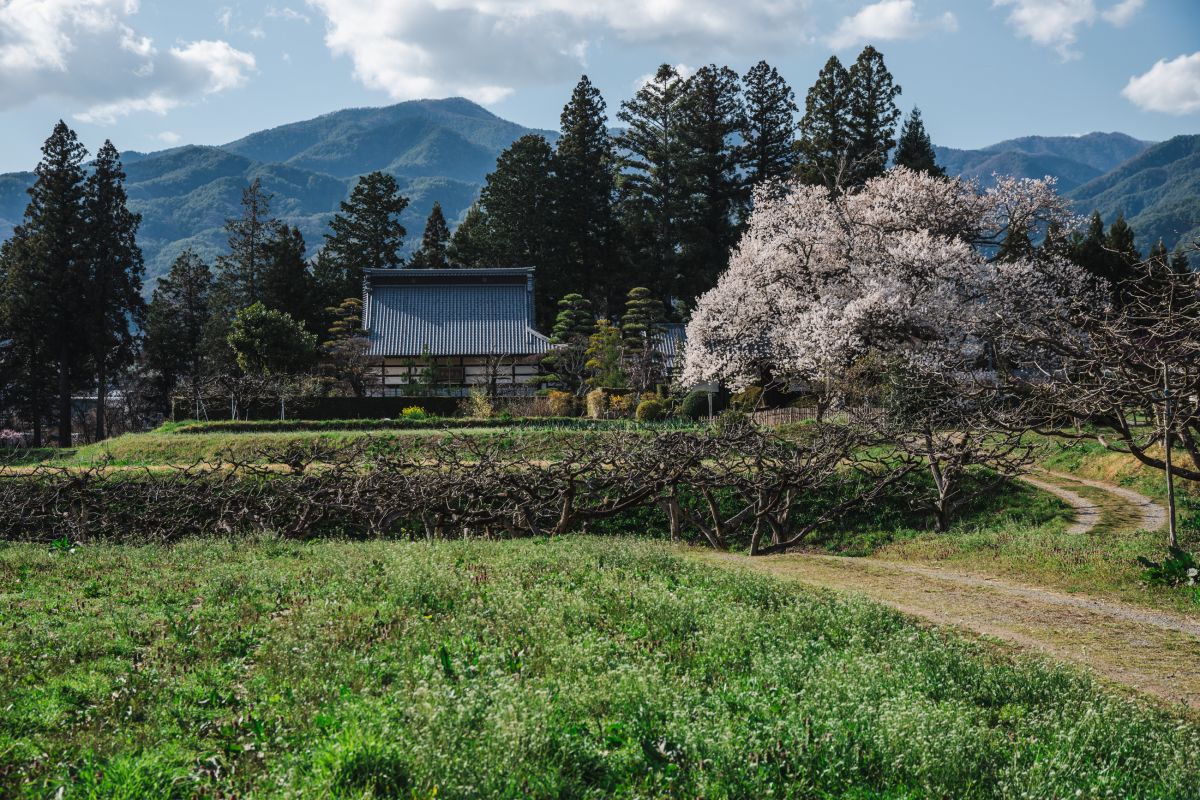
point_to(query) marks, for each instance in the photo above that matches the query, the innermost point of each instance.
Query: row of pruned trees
(967, 317)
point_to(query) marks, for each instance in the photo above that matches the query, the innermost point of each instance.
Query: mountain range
(442, 150)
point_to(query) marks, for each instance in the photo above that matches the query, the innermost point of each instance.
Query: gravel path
(1087, 512)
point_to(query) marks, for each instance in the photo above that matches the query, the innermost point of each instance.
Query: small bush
(695, 405)
(597, 405)
(1179, 568)
(414, 412)
(478, 404)
(651, 408)
(747, 400)
(621, 405)
(562, 404)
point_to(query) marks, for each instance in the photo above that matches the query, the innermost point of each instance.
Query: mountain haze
(1074, 160)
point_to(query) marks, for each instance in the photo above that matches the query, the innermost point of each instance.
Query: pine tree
(114, 292)
(769, 132)
(347, 349)
(365, 234)
(584, 188)
(287, 282)
(48, 273)
(1016, 245)
(824, 148)
(641, 331)
(1179, 262)
(872, 115)
(251, 236)
(652, 191)
(604, 357)
(434, 242)
(566, 365)
(470, 246)
(712, 116)
(175, 324)
(28, 378)
(914, 149)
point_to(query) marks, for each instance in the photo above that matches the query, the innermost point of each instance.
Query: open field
(574, 667)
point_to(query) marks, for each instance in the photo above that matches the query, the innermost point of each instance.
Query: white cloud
(1172, 87)
(88, 52)
(287, 13)
(485, 49)
(1120, 14)
(683, 70)
(170, 138)
(887, 20)
(1055, 23)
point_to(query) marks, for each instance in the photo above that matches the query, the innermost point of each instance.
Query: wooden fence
(774, 417)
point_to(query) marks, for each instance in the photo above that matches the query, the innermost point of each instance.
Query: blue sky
(154, 73)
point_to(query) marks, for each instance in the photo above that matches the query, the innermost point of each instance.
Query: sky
(151, 74)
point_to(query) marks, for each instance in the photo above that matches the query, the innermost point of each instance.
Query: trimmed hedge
(428, 423)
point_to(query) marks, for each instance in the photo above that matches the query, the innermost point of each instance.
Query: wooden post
(1172, 535)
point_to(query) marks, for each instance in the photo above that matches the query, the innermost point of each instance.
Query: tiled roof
(670, 342)
(451, 313)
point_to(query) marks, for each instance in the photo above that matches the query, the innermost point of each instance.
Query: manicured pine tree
(824, 147)
(470, 246)
(175, 324)
(566, 366)
(769, 129)
(346, 349)
(48, 275)
(434, 242)
(712, 116)
(114, 292)
(584, 190)
(641, 329)
(653, 199)
(605, 361)
(914, 149)
(365, 234)
(872, 115)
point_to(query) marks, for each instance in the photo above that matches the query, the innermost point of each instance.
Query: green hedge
(428, 423)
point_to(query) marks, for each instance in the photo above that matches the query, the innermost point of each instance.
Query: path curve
(1153, 514)
(1087, 513)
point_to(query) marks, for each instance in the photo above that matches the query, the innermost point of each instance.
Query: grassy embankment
(577, 667)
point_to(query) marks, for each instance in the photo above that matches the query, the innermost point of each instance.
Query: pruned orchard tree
(897, 275)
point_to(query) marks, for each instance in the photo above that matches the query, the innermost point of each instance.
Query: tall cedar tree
(712, 118)
(469, 245)
(365, 234)
(287, 281)
(27, 375)
(585, 186)
(114, 290)
(652, 190)
(566, 365)
(517, 202)
(47, 285)
(641, 332)
(824, 147)
(251, 236)
(915, 150)
(175, 326)
(769, 130)
(872, 115)
(434, 242)
(1111, 256)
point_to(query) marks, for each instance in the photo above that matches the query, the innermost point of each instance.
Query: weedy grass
(577, 667)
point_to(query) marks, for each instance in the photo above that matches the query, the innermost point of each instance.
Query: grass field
(569, 668)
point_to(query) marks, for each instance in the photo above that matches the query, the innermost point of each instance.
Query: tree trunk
(101, 400)
(64, 403)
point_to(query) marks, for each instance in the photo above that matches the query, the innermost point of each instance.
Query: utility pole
(1173, 539)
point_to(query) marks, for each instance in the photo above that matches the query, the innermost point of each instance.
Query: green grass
(569, 668)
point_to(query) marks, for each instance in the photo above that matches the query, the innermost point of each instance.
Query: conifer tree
(469, 246)
(45, 298)
(712, 116)
(652, 191)
(914, 149)
(641, 332)
(824, 147)
(114, 289)
(769, 130)
(1016, 245)
(434, 242)
(287, 281)
(566, 365)
(366, 233)
(251, 236)
(175, 325)
(584, 189)
(604, 357)
(27, 374)
(347, 349)
(1179, 262)
(872, 115)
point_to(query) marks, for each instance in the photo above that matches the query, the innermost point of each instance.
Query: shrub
(695, 405)
(478, 404)
(1179, 568)
(596, 404)
(562, 404)
(651, 408)
(747, 400)
(621, 405)
(414, 412)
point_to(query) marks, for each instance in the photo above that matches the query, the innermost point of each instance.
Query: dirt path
(1150, 651)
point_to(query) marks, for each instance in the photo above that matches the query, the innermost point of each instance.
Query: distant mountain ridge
(439, 150)
(1074, 160)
